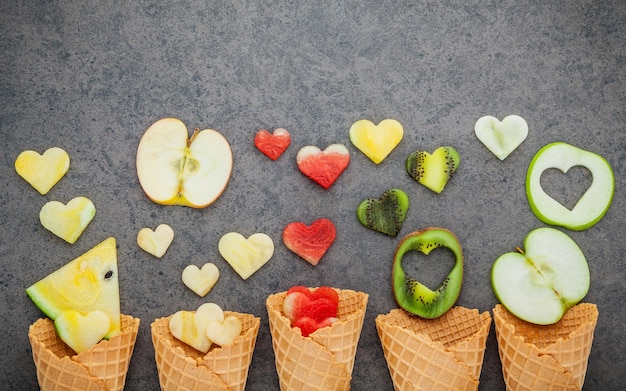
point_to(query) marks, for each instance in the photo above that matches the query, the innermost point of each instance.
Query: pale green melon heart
(501, 137)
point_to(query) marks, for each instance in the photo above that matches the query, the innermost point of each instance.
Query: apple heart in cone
(102, 367)
(545, 357)
(445, 353)
(324, 359)
(182, 367)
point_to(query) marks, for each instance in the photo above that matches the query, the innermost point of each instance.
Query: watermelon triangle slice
(86, 284)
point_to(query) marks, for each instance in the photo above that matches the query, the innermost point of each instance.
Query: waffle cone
(445, 353)
(324, 360)
(102, 367)
(552, 357)
(181, 367)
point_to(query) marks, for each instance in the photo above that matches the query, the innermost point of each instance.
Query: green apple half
(540, 284)
(175, 169)
(593, 204)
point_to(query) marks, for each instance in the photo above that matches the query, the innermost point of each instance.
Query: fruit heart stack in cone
(102, 367)
(540, 357)
(325, 358)
(445, 353)
(182, 367)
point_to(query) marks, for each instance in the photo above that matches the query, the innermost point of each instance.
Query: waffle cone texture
(445, 353)
(184, 368)
(102, 367)
(324, 360)
(552, 357)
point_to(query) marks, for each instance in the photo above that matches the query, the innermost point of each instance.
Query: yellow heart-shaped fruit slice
(190, 326)
(224, 333)
(156, 242)
(201, 280)
(246, 256)
(42, 171)
(82, 332)
(67, 221)
(376, 141)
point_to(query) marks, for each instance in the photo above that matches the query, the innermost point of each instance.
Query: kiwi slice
(385, 214)
(415, 297)
(433, 170)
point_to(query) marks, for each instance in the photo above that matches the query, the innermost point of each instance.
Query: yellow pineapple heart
(67, 221)
(246, 256)
(189, 326)
(224, 333)
(201, 280)
(82, 332)
(42, 171)
(156, 242)
(376, 141)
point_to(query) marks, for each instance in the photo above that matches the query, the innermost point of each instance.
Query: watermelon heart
(272, 144)
(323, 167)
(385, 214)
(310, 242)
(310, 309)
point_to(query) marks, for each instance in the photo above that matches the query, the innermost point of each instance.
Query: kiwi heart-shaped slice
(415, 297)
(433, 170)
(385, 214)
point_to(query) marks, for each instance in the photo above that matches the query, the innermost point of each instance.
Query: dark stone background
(90, 77)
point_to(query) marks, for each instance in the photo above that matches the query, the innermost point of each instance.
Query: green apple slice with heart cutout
(591, 206)
(542, 282)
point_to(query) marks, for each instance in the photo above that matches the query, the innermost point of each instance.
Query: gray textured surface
(91, 77)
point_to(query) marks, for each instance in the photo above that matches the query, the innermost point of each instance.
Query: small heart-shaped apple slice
(67, 221)
(272, 144)
(156, 242)
(189, 326)
(323, 167)
(201, 280)
(42, 171)
(224, 333)
(501, 137)
(385, 214)
(310, 242)
(433, 171)
(246, 256)
(82, 332)
(376, 141)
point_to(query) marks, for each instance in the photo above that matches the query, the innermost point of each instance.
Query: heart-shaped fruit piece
(433, 171)
(385, 214)
(311, 309)
(67, 221)
(42, 171)
(201, 280)
(310, 242)
(224, 333)
(175, 169)
(86, 284)
(272, 144)
(190, 326)
(593, 204)
(82, 332)
(323, 167)
(376, 141)
(501, 137)
(156, 242)
(415, 297)
(542, 282)
(246, 256)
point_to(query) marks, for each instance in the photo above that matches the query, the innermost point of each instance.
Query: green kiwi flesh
(413, 296)
(433, 170)
(385, 214)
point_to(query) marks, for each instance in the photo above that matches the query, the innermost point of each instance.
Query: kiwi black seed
(413, 296)
(385, 214)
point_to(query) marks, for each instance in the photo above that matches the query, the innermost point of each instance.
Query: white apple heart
(189, 326)
(82, 332)
(156, 242)
(246, 256)
(67, 221)
(42, 171)
(501, 137)
(201, 280)
(224, 333)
